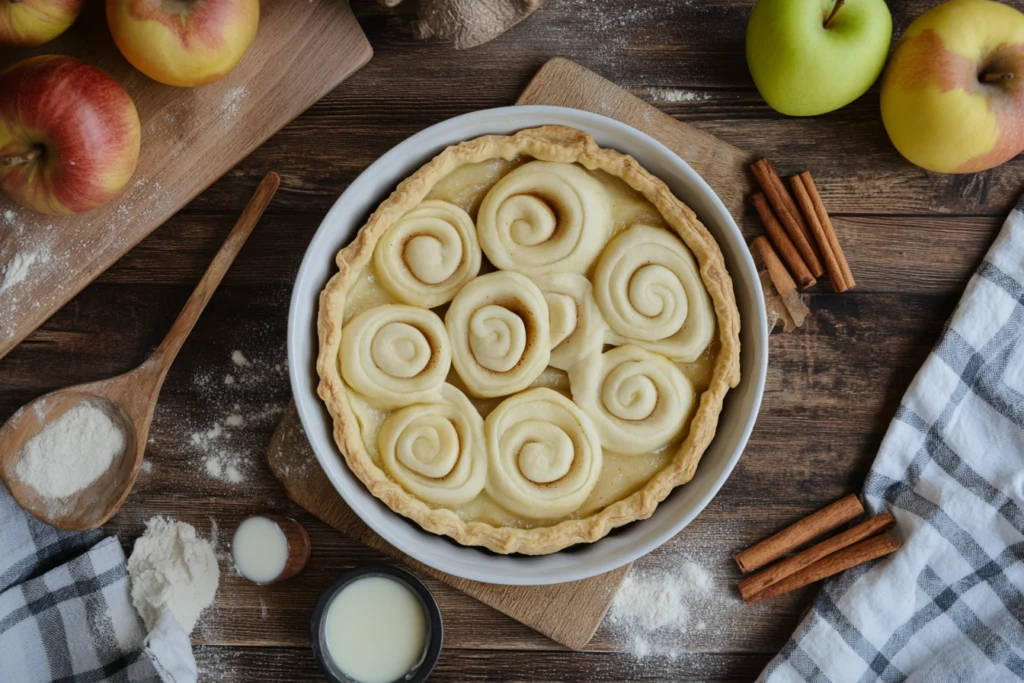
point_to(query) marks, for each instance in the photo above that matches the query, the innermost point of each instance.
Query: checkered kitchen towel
(949, 605)
(65, 608)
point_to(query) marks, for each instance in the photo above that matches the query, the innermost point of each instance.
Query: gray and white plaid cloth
(949, 605)
(65, 607)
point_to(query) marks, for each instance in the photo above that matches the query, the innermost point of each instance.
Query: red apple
(25, 23)
(69, 135)
(183, 42)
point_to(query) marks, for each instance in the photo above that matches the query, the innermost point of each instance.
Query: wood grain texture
(912, 239)
(568, 613)
(190, 137)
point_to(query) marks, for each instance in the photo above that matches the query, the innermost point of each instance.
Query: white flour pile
(172, 568)
(70, 453)
(655, 611)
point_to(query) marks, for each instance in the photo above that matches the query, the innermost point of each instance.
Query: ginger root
(468, 23)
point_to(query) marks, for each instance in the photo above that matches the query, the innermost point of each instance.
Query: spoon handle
(186, 320)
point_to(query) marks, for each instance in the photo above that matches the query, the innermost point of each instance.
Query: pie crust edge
(547, 143)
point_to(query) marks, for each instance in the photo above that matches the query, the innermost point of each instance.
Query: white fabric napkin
(949, 605)
(66, 612)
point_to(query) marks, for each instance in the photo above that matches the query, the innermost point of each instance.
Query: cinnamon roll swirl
(544, 456)
(647, 284)
(498, 327)
(638, 400)
(436, 449)
(394, 355)
(426, 257)
(544, 216)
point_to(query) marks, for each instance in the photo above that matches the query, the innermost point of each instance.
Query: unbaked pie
(528, 343)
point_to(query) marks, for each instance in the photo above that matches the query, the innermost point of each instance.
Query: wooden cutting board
(568, 613)
(190, 137)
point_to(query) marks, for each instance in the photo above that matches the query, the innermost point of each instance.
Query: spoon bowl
(128, 400)
(78, 510)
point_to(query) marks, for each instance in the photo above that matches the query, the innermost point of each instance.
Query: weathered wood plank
(251, 665)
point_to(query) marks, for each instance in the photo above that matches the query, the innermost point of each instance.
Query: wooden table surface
(912, 239)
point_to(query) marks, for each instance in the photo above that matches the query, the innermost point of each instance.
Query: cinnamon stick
(859, 553)
(769, 577)
(780, 277)
(795, 535)
(789, 215)
(782, 242)
(826, 224)
(803, 198)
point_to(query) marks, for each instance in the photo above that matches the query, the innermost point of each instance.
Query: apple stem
(20, 159)
(835, 10)
(997, 77)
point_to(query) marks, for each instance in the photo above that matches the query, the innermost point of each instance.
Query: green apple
(809, 57)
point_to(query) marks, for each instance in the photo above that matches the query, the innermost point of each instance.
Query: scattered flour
(224, 447)
(18, 269)
(655, 610)
(232, 102)
(172, 568)
(678, 96)
(70, 453)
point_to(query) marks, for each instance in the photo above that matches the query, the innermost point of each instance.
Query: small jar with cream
(270, 548)
(377, 624)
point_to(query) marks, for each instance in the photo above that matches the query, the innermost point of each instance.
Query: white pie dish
(623, 545)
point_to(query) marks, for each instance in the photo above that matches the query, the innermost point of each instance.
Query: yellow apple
(25, 23)
(183, 42)
(953, 92)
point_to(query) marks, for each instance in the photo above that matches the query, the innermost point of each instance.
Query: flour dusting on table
(224, 447)
(663, 612)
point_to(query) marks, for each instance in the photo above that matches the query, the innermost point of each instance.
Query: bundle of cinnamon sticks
(799, 231)
(857, 545)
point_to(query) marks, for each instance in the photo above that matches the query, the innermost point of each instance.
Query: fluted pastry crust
(548, 144)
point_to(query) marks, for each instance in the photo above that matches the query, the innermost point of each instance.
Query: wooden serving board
(568, 613)
(190, 137)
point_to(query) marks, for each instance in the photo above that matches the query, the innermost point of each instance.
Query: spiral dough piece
(576, 324)
(498, 326)
(394, 355)
(544, 216)
(436, 450)
(648, 286)
(426, 257)
(637, 399)
(544, 455)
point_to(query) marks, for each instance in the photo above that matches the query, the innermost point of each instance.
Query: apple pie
(528, 343)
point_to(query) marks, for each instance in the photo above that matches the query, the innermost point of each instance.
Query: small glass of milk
(377, 624)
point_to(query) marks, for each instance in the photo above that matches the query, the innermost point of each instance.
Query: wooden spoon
(128, 400)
